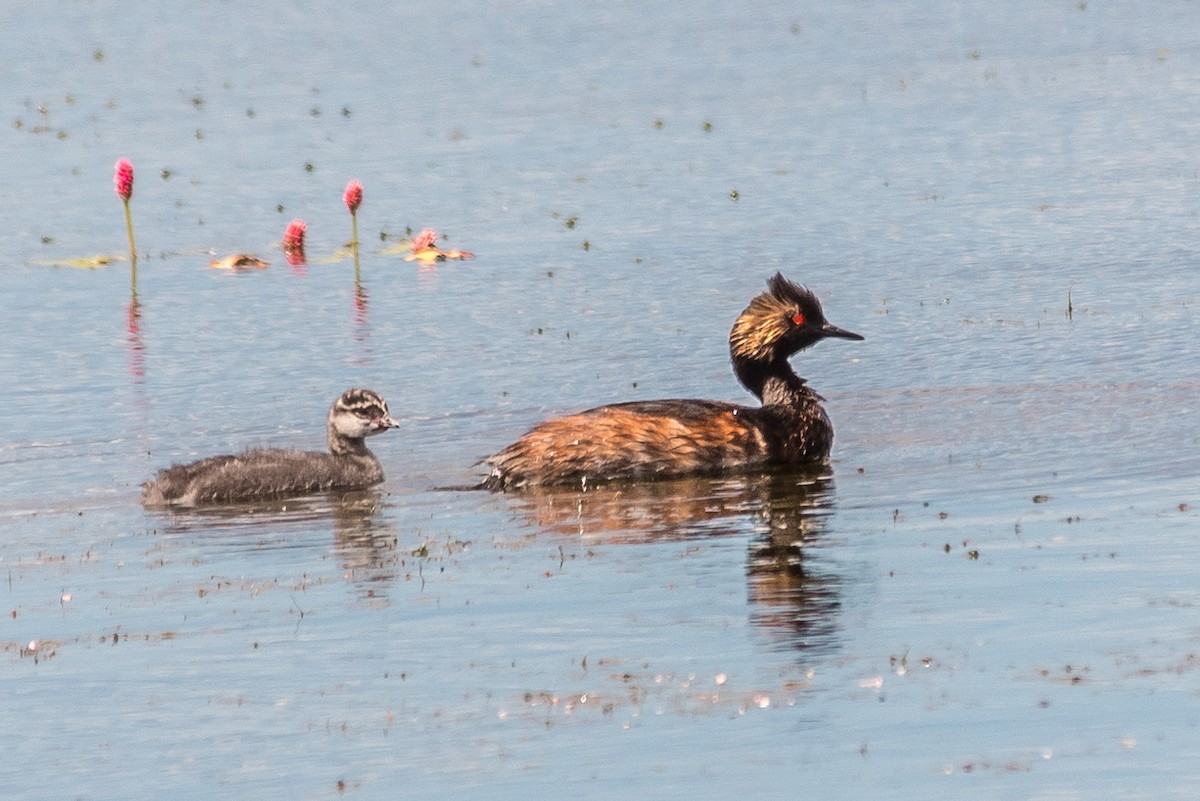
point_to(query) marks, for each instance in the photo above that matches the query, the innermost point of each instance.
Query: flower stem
(129, 230)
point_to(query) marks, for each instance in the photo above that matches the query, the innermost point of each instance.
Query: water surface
(990, 593)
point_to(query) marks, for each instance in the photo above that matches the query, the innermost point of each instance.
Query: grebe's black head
(781, 321)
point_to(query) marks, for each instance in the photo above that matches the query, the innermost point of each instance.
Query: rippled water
(991, 593)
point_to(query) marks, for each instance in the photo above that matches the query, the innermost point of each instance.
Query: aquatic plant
(240, 261)
(123, 178)
(424, 240)
(424, 249)
(353, 199)
(293, 242)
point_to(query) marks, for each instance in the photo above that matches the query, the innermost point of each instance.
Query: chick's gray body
(261, 474)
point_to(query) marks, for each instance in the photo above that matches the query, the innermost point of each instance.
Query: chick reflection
(792, 597)
(365, 546)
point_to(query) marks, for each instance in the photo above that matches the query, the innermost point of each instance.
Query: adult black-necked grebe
(266, 473)
(659, 439)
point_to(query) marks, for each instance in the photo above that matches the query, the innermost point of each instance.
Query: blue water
(992, 595)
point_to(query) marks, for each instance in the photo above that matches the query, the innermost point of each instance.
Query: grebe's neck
(773, 382)
(342, 445)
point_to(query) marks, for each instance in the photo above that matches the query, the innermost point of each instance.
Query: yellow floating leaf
(85, 263)
(426, 255)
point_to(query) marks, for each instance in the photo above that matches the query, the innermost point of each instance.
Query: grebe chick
(266, 473)
(665, 438)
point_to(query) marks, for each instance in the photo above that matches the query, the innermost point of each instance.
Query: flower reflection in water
(360, 299)
(133, 327)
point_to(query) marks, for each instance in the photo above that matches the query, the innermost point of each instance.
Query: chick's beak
(385, 422)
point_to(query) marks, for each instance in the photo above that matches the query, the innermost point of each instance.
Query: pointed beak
(839, 333)
(385, 422)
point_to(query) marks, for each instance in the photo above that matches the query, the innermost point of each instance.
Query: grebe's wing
(635, 440)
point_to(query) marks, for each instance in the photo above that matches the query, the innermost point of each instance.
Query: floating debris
(423, 248)
(239, 261)
(84, 263)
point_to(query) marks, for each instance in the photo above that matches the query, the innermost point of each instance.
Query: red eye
(798, 318)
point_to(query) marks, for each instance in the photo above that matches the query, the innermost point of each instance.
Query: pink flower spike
(123, 178)
(353, 196)
(426, 239)
(293, 237)
(293, 243)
